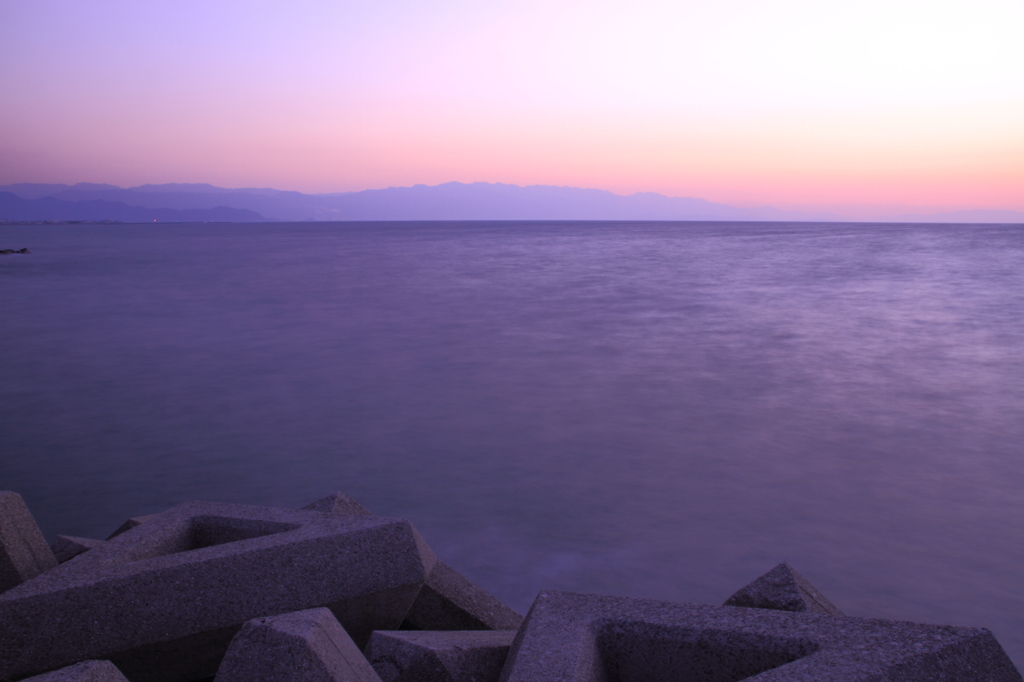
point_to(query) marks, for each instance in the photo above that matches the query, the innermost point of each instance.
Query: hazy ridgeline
(660, 410)
(449, 201)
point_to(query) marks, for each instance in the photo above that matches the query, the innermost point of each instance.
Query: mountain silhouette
(449, 201)
(13, 207)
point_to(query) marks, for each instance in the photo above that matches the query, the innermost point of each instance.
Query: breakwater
(235, 593)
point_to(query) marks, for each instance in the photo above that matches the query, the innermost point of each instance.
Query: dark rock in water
(783, 589)
(15, 251)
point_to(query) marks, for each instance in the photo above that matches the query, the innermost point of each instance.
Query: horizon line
(796, 207)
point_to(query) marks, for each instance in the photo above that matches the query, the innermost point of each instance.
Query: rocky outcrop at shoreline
(331, 592)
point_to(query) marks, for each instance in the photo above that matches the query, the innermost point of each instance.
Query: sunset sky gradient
(793, 103)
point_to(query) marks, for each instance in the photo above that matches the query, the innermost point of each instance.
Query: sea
(659, 410)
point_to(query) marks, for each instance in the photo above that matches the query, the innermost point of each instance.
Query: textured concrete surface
(338, 503)
(430, 656)
(575, 637)
(163, 600)
(24, 553)
(783, 589)
(67, 547)
(86, 671)
(295, 594)
(449, 601)
(131, 523)
(305, 646)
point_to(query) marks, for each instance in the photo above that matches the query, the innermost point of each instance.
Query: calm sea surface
(662, 410)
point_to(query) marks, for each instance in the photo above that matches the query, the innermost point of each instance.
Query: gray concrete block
(133, 522)
(338, 503)
(449, 601)
(87, 671)
(66, 547)
(164, 600)
(304, 646)
(576, 637)
(431, 656)
(24, 553)
(783, 589)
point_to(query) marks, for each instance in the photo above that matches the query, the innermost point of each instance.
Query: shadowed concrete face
(305, 646)
(588, 638)
(338, 503)
(449, 601)
(783, 589)
(454, 656)
(87, 671)
(164, 599)
(66, 547)
(131, 523)
(24, 553)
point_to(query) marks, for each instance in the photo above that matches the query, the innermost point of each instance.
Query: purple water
(657, 410)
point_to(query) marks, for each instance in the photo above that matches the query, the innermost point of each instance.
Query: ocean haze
(659, 410)
(449, 201)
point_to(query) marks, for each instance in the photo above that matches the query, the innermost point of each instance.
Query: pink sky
(790, 103)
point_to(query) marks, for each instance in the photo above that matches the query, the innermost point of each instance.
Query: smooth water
(658, 410)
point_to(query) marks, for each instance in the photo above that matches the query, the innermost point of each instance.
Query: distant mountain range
(450, 201)
(15, 208)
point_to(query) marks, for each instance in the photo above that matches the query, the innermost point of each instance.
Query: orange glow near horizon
(802, 104)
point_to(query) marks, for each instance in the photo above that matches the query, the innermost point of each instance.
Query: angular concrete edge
(338, 503)
(67, 547)
(432, 656)
(783, 589)
(450, 601)
(238, 563)
(24, 553)
(86, 671)
(302, 646)
(133, 522)
(587, 638)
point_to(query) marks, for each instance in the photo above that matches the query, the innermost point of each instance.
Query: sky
(790, 103)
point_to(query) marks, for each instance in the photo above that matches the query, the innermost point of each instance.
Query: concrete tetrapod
(783, 589)
(589, 638)
(86, 671)
(305, 646)
(430, 656)
(24, 553)
(133, 522)
(448, 600)
(338, 503)
(163, 600)
(67, 547)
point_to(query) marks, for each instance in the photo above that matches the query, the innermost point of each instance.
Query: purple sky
(794, 103)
